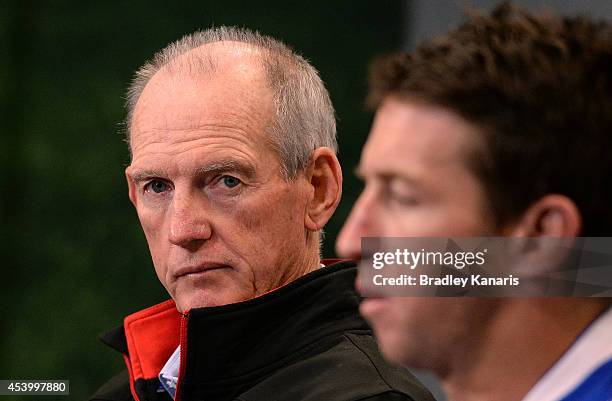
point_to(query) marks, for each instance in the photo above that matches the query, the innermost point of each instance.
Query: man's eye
(157, 186)
(401, 198)
(230, 181)
(401, 194)
(405, 200)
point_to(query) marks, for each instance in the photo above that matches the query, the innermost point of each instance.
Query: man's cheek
(253, 215)
(153, 225)
(158, 248)
(159, 257)
(153, 240)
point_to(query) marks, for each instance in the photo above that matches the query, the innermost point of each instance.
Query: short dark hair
(539, 90)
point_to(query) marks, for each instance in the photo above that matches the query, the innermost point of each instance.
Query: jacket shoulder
(116, 389)
(351, 370)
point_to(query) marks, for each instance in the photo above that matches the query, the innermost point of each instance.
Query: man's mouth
(200, 268)
(372, 307)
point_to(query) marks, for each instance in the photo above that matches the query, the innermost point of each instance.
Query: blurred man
(233, 175)
(502, 127)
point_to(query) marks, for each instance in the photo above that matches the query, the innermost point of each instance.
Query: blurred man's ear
(325, 176)
(131, 186)
(552, 215)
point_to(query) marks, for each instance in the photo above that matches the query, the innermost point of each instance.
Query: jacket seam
(372, 363)
(392, 391)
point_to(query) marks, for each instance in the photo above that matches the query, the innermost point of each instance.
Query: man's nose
(189, 220)
(359, 224)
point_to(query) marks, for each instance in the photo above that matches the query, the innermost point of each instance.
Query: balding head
(303, 110)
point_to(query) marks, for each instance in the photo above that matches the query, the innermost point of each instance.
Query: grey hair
(304, 113)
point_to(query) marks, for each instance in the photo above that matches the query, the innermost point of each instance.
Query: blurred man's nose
(189, 220)
(359, 224)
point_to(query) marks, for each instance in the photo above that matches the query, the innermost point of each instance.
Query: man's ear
(325, 176)
(552, 216)
(131, 186)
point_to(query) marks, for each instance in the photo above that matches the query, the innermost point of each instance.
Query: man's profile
(501, 127)
(233, 175)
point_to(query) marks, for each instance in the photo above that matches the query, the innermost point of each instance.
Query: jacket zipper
(183, 354)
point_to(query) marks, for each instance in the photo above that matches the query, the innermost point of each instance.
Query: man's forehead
(223, 66)
(417, 143)
(178, 101)
(411, 135)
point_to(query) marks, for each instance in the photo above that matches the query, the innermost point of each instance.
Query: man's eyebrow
(224, 166)
(144, 175)
(388, 176)
(218, 167)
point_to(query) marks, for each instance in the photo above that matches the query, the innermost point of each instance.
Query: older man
(499, 128)
(233, 176)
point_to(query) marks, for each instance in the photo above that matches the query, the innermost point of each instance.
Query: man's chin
(208, 289)
(207, 298)
(395, 349)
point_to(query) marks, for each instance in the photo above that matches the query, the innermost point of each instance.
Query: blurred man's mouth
(373, 307)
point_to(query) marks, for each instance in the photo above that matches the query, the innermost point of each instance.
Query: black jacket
(304, 341)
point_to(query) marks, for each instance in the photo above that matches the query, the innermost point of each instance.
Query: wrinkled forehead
(218, 84)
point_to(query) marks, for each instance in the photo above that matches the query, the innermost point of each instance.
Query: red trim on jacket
(183, 354)
(152, 336)
(132, 388)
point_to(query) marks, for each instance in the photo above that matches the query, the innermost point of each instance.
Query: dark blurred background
(74, 260)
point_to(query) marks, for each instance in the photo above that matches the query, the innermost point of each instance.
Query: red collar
(152, 336)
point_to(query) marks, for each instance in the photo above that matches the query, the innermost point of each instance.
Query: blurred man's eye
(157, 186)
(230, 181)
(402, 194)
(404, 200)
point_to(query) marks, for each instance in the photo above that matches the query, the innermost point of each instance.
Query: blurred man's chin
(391, 345)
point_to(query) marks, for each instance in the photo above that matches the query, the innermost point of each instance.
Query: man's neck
(301, 264)
(522, 342)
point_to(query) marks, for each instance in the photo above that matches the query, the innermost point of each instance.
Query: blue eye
(230, 181)
(158, 186)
